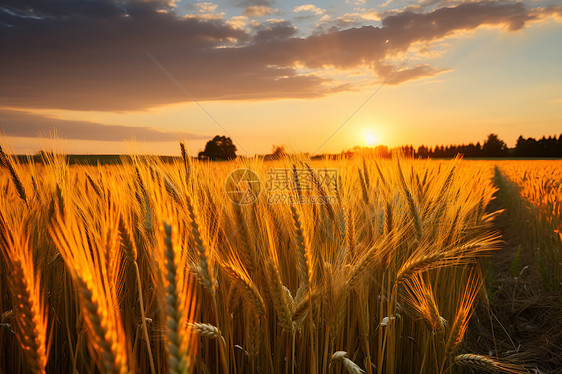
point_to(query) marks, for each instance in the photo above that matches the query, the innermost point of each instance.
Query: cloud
(309, 8)
(371, 15)
(348, 20)
(467, 16)
(205, 7)
(237, 22)
(205, 11)
(247, 3)
(91, 55)
(257, 11)
(274, 30)
(545, 12)
(25, 124)
(356, 2)
(386, 3)
(392, 76)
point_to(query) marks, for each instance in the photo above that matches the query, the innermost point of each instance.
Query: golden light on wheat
(150, 267)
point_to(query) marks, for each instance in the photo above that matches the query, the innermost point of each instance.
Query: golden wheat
(280, 285)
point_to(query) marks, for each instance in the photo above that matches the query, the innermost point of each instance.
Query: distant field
(297, 265)
(118, 159)
(89, 159)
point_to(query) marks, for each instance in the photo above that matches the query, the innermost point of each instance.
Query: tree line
(493, 147)
(223, 148)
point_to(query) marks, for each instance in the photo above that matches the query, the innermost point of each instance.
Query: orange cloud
(256, 11)
(309, 8)
(393, 76)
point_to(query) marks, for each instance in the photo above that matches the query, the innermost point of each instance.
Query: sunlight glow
(370, 139)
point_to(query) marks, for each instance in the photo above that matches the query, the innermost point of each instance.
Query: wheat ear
(97, 294)
(201, 248)
(104, 338)
(6, 161)
(464, 312)
(350, 366)
(246, 251)
(177, 361)
(208, 331)
(186, 163)
(489, 364)
(350, 232)
(417, 263)
(411, 203)
(279, 296)
(29, 310)
(304, 254)
(236, 272)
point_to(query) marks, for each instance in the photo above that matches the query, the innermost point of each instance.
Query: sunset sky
(317, 77)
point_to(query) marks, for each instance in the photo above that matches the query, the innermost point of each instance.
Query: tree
(494, 146)
(219, 148)
(278, 152)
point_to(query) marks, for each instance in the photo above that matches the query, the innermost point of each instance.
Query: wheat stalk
(130, 249)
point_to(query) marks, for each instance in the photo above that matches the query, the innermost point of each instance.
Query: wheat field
(536, 189)
(149, 267)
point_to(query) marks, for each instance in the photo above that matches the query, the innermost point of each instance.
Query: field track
(526, 316)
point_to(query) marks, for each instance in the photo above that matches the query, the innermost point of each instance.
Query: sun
(370, 139)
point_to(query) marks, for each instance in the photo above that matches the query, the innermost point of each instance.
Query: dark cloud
(24, 124)
(63, 8)
(336, 25)
(274, 32)
(100, 63)
(91, 55)
(467, 16)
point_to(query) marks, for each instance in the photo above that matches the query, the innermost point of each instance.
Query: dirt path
(524, 322)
